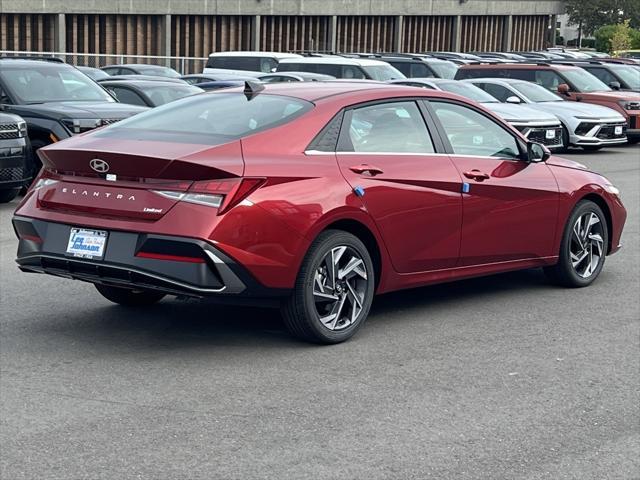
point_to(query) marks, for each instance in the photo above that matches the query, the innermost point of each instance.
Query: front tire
(7, 195)
(583, 248)
(127, 297)
(333, 291)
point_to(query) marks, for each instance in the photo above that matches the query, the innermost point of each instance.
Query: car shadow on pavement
(176, 325)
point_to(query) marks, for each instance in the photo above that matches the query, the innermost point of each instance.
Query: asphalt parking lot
(502, 377)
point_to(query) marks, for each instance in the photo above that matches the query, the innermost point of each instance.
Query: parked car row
(57, 100)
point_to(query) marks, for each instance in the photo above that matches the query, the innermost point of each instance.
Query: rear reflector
(170, 258)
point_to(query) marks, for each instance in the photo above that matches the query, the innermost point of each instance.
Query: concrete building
(198, 27)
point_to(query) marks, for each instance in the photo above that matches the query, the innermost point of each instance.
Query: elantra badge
(99, 165)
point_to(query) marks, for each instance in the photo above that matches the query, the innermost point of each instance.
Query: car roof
(136, 65)
(255, 54)
(317, 91)
(336, 60)
(519, 66)
(144, 83)
(12, 61)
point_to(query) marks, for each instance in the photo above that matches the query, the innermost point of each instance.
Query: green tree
(605, 34)
(621, 38)
(589, 15)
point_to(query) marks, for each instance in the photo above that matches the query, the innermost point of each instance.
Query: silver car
(537, 126)
(584, 124)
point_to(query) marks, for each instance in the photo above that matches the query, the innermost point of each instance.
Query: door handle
(476, 175)
(364, 168)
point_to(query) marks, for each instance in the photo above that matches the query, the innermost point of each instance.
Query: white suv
(242, 62)
(342, 67)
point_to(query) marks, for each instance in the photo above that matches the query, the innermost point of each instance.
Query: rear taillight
(222, 194)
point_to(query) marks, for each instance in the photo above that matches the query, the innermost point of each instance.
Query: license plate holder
(617, 130)
(87, 243)
(550, 134)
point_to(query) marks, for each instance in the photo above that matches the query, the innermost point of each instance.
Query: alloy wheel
(587, 244)
(339, 287)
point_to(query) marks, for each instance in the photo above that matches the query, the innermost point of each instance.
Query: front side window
(471, 133)
(41, 83)
(444, 69)
(583, 81)
(498, 91)
(382, 73)
(126, 95)
(630, 74)
(549, 79)
(389, 128)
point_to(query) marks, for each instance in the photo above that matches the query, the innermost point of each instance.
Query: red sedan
(315, 195)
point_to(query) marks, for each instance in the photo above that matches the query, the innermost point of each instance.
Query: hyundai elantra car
(315, 196)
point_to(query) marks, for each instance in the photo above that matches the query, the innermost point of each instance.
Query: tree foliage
(593, 14)
(605, 37)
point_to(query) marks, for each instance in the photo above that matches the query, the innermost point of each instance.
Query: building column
(255, 32)
(457, 33)
(397, 34)
(60, 41)
(333, 34)
(551, 30)
(165, 36)
(507, 34)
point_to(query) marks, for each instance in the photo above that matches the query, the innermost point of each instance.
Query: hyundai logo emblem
(99, 165)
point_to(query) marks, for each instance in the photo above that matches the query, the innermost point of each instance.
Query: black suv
(14, 171)
(618, 76)
(56, 100)
(415, 65)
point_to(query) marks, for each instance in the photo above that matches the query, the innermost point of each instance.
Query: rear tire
(7, 195)
(583, 248)
(127, 297)
(333, 291)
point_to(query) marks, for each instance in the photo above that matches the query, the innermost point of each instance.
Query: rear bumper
(172, 265)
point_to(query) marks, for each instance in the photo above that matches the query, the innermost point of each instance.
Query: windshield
(583, 81)
(629, 74)
(162, 94)
(444, 69)
(213, 117)
(467, 90)
(159, 71)
(535, 92)
(41, 83)
(382, 73)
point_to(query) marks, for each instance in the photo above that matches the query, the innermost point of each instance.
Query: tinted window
(602, 74)
(210, 118)
(159, 71)
(45, 82)
(498, 91)
(112, 70)
(479, 73)
(405, 68)
(161, 94)
(444, 69)
(253, 64)
(419, 70)
(471, 133)
(389, 127)
(549, 79)
(126, 95)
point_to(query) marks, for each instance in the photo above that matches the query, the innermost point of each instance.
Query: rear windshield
(251, 64)
(467, 90)
(159, 71)
(210, 118)
(161, 94)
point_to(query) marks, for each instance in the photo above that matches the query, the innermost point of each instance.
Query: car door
(390, 157)
(510, 205)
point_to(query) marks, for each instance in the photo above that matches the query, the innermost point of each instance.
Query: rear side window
(210, 118)
(251, 64)
(337, 71)
(396, 127)
(479, 73)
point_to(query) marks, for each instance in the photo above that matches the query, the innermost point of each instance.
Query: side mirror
(514, 99)
(563, 89)
(615, 85)
(537, 152)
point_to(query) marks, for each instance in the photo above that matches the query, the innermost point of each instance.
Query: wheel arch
(366, 236)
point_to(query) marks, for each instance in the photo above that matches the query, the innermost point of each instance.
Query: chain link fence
(184, 65)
